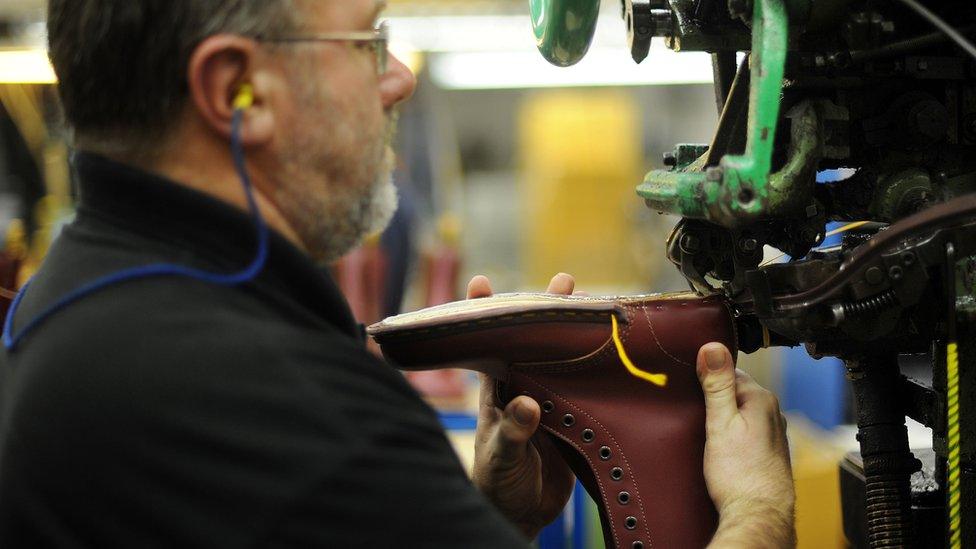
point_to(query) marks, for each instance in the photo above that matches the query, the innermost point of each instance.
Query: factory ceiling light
(25, 66)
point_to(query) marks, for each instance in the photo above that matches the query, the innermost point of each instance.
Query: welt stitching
(619, 448)
(515, 316)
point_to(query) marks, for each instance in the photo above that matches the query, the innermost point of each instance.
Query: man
(175, 411)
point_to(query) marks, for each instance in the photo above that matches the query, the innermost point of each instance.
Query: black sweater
(169, 412)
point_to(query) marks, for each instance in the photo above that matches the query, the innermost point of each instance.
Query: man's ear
(218, 70)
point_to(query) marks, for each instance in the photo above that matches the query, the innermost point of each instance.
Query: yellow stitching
(657, 379)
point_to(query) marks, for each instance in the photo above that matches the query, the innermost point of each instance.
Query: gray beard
(332, 218)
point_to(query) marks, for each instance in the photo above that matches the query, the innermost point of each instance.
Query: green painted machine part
(564, 28)
(741, 189)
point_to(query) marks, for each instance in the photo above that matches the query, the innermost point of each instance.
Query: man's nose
(397, 84)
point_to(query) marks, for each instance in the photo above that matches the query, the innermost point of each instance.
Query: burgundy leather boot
(616, 381)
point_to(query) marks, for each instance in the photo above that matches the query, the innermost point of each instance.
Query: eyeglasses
(378, 39)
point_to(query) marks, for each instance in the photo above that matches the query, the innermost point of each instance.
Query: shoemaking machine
(887, 90)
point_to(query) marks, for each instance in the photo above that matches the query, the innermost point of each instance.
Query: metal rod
(888, 462)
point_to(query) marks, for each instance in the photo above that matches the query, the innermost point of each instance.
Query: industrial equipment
(887, 91)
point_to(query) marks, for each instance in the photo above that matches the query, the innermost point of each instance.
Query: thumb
(717, 376)
(519, 422)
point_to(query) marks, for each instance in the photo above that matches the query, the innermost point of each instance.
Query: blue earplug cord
(243, 101)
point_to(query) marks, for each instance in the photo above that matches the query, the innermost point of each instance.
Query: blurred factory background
(509, 167)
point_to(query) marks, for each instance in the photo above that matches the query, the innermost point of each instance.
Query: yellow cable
(657, 379)
(952, 378)
(845, 228)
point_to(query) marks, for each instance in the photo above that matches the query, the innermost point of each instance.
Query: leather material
(636, 446)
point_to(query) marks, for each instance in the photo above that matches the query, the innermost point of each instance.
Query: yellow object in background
(580, 160)
(816, 456)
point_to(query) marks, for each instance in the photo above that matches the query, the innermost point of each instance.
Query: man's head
(145, 80)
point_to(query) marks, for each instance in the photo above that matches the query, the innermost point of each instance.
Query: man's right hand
(747, 457)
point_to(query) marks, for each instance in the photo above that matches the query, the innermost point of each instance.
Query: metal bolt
(690, 244)
(895, 272)
(748, 245)
(809, 235)
(746, 195)
(874, 275)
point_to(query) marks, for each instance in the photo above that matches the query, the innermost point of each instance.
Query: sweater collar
(215, 233)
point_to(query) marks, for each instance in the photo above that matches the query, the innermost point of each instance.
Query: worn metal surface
(888, 462)
(564, 28)
(738, 189)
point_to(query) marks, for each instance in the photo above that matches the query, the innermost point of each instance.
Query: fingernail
(522, 415)
(715, 358)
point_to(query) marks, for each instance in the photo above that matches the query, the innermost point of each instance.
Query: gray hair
(122, 64)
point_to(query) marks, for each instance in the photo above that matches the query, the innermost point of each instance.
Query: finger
(479, 286)
(753, 395)
(717, 377)
(582, 293)
(746, 388)
(562, 284)
(556, 471)
(518, 423)
(488, 412)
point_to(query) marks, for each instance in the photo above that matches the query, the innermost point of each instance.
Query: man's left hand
(517, 468)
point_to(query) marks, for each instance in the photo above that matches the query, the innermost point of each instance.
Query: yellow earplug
(245, 97)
